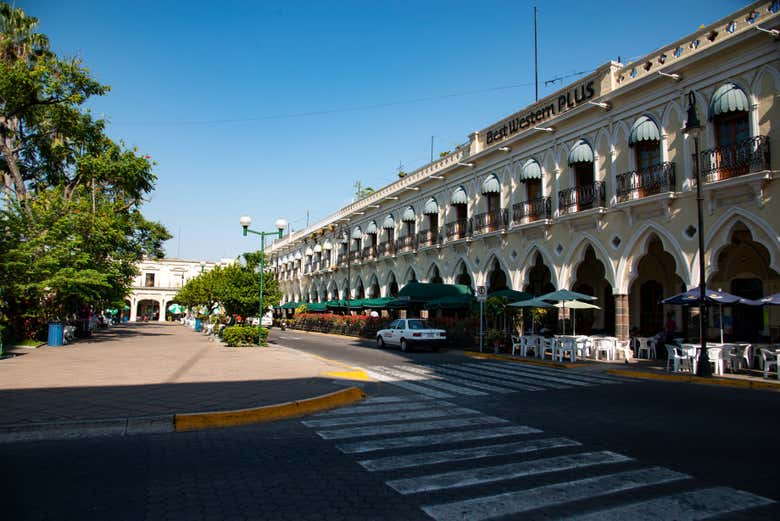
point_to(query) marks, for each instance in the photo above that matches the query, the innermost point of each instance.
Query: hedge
(243, 335)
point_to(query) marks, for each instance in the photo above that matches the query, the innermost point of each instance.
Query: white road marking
(469, 453)
(429, 380)
(492, 376)
(453, 376)
(438, 439)
(570, 373)
(390, 399)
(382, 407)
(686, 506)
(559, 493)
(395, 428)
(388, 417)
(522, 372)
(476, 476)
(407, 385)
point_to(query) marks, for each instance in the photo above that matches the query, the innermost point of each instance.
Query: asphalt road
(443, 437)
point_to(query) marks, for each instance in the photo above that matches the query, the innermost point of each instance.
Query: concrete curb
(679, 378)
(86, 428)
(508, 358)
(210, 420)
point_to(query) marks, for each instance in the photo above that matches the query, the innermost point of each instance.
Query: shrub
(243, 335)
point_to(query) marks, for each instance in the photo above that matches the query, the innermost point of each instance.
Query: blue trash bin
(198, 325)
(55, 334)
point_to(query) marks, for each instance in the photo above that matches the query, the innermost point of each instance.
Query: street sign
(481, 293)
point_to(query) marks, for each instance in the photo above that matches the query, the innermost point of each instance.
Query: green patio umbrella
(532, 303)
(565, 295)
(176, 309)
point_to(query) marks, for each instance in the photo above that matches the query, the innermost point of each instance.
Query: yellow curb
(350, 375)
(507, 358)
(208, 420)
(724, 382)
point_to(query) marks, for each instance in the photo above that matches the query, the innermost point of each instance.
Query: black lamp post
(693, 128)
(347, 241)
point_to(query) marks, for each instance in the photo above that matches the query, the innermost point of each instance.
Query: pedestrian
(670, 328)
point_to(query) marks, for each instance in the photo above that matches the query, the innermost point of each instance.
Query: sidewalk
(152, 369)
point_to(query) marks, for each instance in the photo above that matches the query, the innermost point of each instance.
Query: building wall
(616, 234)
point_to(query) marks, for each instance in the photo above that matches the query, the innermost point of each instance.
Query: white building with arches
(593, 189)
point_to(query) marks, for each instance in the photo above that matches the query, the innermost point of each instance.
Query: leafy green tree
(71, 229)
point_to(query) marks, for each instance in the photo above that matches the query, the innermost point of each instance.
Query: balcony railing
(355, 255)
(369, 252)
(458, 229)
(406, 243)
(532, 210)
(751, 155)
(490, 221)
(428, 238)
(582, 197)
(386, 248)
(655, 179)
(341, 259)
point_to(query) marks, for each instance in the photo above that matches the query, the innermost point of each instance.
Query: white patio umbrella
(564, 296)
(575, 305)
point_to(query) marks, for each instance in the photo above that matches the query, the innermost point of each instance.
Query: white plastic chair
(547, 344)
(717, 357)
(529, 342)
(646, 345)
(566, 347)
(678, 360)
(516, 343)
(584, 345)
(605, 345)
(769, 359)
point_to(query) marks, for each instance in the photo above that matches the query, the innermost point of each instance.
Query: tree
(361, 191)
(71, 229)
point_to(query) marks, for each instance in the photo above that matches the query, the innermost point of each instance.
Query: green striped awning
(431, 207)
(581, 153)
(371, 228)
(644, 129)
(728, 98)
(317, 248)
(357, 233)
(389, 222)
(327, 245)
(408, 214)
(309, 251)
(531, 170)
(459, 196)
(491, 185)
(290, 305)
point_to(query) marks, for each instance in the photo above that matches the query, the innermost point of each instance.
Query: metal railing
(582, 197)
(427, 238)
(652, 180)
(751, 155)
(355, 255)
(386, 248)
(532, 210)
(341, 259)
(458, 229)
(406, 243)
(369, 252)
(490, 221)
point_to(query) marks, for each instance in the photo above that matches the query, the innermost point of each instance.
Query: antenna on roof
(536, 58)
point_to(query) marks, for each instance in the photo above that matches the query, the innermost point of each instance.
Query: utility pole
(536, 58)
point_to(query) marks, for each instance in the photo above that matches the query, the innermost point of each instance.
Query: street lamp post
(347, 241)
(281, 224)
(693, 128)
(202, 266)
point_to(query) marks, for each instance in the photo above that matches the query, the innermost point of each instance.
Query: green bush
(243, 335)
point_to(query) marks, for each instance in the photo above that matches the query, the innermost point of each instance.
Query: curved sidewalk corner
(136, 378)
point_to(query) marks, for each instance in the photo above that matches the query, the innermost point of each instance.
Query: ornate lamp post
(281, 224)
(347, 242)
(693, 128)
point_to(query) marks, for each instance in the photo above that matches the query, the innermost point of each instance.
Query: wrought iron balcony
(428, 238)
(369, 252)
(386, 248)
(325, 263)
(341, 259)
(582, 197)
(458, 229)
(532, 210)
(490, 221)
(406, 243)
(751, 155)
(652, 180)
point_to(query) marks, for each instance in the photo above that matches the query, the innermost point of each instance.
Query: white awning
(491, 185)
(317, 248)
(389, 222)
(327, 245)
(459, 196)
(644, 129)
(309, 251)
(371, 228)
(581, 153)
(408, 214)
(357, 233)
(531, 170)
(431, 207)
(728, 98)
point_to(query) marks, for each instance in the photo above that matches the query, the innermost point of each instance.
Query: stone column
(621, 317)
(133, 309)
(163, 305)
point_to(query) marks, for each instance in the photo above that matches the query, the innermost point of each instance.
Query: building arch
(636, 248)
(496, 275)
(410, 276)
(577, 253)
(528, 261)
(433, 275)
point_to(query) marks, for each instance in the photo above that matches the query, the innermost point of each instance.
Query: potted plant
(497, 338)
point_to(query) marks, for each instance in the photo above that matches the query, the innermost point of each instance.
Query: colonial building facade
(592, 188)
(157, 282)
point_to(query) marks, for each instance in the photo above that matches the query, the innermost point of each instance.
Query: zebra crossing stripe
(409, 386)
(469, 453)
(477, 476)
(686, 506)
(397, 428)
(491, 376)
(439, 439)
(573, 374)
(559, 493)
(388, 399)
(388, 417)
(430, 380)
(382, 407)
(456, 377)
(524, 373)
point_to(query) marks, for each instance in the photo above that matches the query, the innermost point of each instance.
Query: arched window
(729, 114)
(536, 206)
(490, 220)
(457, 229)
(388, 225)
(645, 139)
(586, 193)
(431, 212)
(408, 218)
(372, 230)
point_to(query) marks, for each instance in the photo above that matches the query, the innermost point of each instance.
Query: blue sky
(276, 108)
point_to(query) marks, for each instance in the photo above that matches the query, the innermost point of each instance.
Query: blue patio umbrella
(771, 300)
(711, 296)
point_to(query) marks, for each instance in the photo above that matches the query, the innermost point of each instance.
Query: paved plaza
(154, 369)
